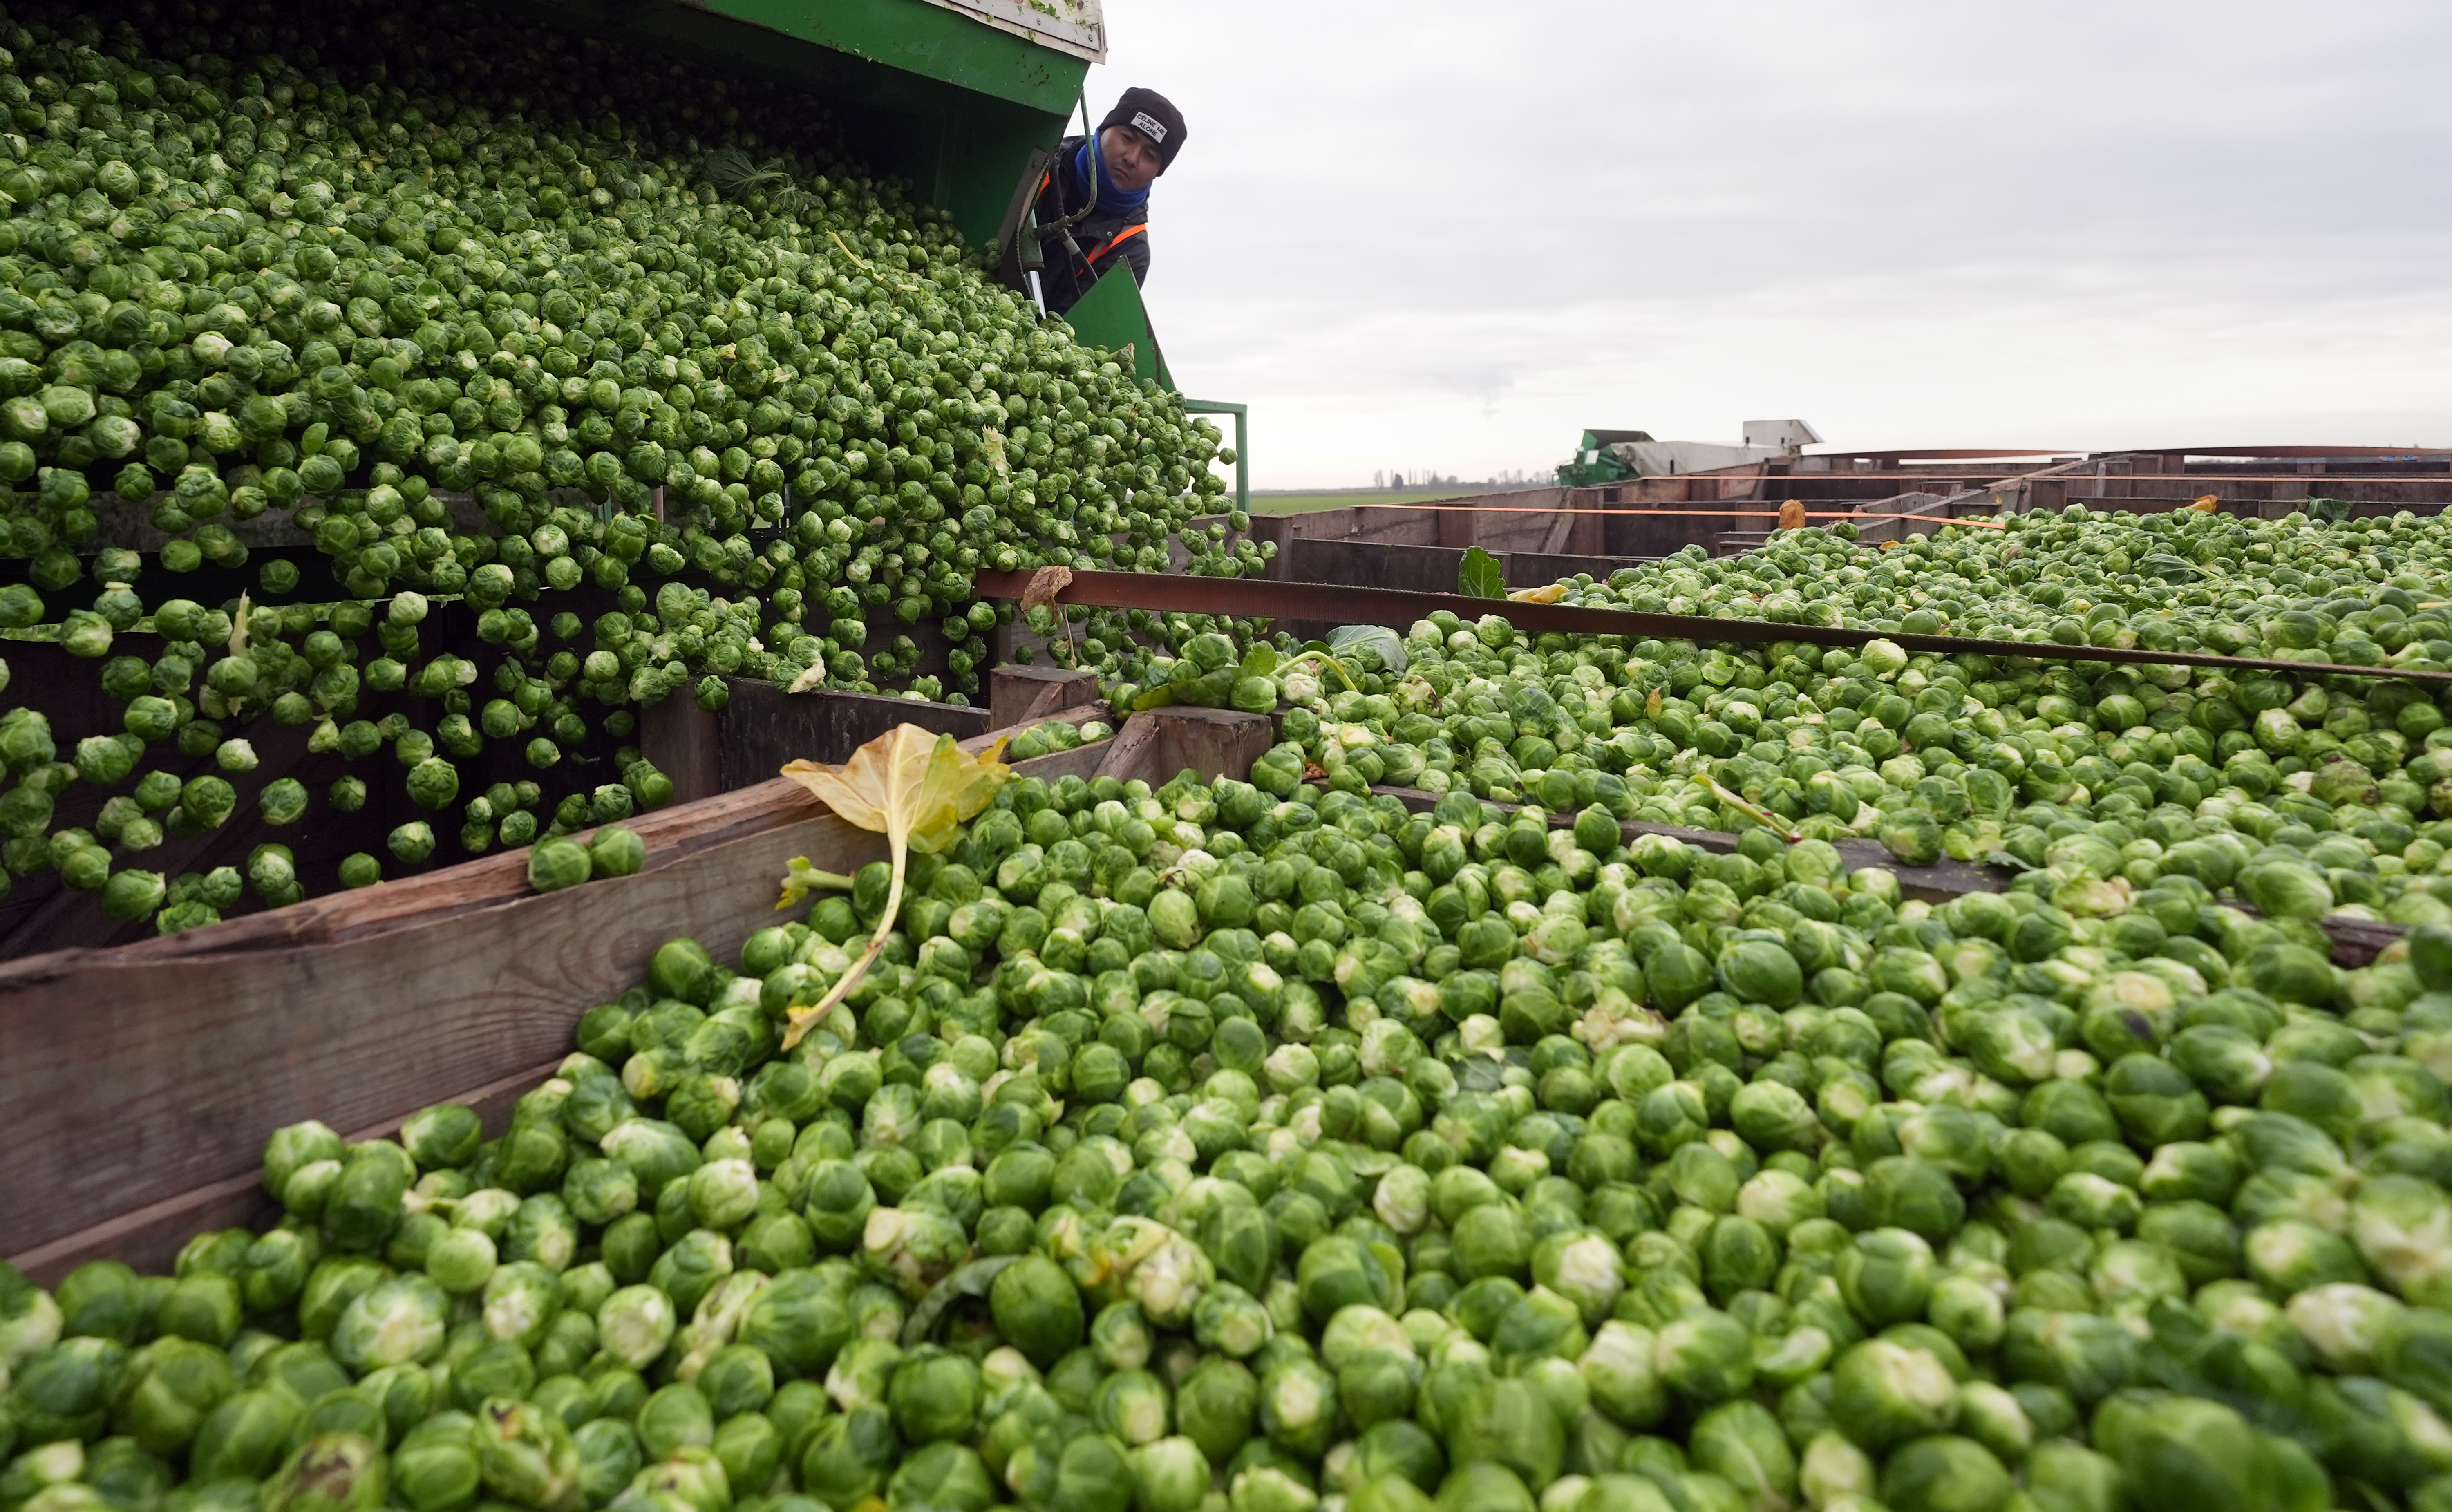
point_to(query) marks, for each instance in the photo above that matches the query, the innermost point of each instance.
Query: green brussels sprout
(616, 851)
(243, 1437)
(396, 1322)
(634, 1325)
(412, 842)
(1886, 1276)
(172, 1385)
(1742, 1443)
(2187, 1452)
(1705, 1356)
(608, 1459)
(1484, 1486)
(556, 864)
(1037, 1309)
(205, 1306)
(674, 1418)
(330, 1472)
(944, 1475)
(850, 1455)
(1945, 1472)
(526, 1456)
(435, 1467)
(1508, 1422)
(1885, 1393)
(935, 1396)
(2082, 1354)
(1169, 1474)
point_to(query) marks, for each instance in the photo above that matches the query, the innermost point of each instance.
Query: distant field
(1298, 503)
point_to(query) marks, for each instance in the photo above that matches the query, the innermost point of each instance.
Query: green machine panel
(952, 95)
(1112, 316)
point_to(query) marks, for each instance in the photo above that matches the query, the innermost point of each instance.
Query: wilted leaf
(1549, 595)
(1044, 586)
(912, 787)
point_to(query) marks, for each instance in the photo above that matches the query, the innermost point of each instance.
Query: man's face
(1131, 162)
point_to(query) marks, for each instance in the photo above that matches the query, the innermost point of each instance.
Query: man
(1097, 193)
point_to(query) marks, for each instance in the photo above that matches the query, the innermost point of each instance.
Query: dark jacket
(1068, 277)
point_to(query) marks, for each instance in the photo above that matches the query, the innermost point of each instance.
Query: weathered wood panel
(1157, 745)
(686, 742)
(126, 1078)
(764, 726)
(1021, 695)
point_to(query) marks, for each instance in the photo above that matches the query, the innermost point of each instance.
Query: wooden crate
(138, 1083)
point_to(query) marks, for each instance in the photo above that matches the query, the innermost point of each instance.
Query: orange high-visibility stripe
(1116, 241)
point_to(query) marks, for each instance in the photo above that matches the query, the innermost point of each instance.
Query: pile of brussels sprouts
(1053, 735)
(1266, 1147)
(2364, 592)
(2302, 796)
(621, 362)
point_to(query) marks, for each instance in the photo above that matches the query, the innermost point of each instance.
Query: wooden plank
(1529, 569)
(1276, 530)
(150, 1238)
(1024, 696)
(1156, 745)
(1415, 569)
(764, 727)
(685, 743)
(128, 1078)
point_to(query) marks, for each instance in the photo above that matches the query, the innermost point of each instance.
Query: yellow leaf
(1550, 594)
(2207, 505)
(912, 787)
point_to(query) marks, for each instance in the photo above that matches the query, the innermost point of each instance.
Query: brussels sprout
(526, 1456)
(555, 864)
(634, 1325)
(330, 1472)
(396, 1322)
(1886, 1276)
(1704, 1356)
(934, 1395)
(170, 1387)
(1944, 1471)
(245, 1435)
(1884, 1393)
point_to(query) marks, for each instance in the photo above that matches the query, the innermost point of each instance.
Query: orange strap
(1113, 241)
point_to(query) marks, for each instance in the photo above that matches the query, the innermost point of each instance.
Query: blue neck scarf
(1112, 201)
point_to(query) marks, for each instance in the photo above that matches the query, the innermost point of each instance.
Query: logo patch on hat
(1148, 126)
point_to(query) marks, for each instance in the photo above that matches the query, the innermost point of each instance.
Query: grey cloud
(1462, 233)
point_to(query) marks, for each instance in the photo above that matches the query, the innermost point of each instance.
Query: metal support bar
(1242, 414)
(1254, 598)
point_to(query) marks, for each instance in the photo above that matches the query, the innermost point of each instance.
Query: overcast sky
(1451, 236)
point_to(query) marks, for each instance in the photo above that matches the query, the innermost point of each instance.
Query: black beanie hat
(1151, 114)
